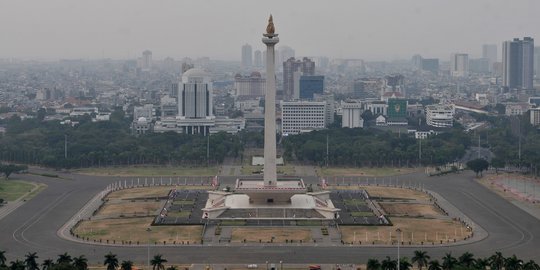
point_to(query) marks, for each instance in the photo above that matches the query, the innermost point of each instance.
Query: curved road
(33, 228)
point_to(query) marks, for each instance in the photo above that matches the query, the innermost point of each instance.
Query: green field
(150, 171)
(385, 171)
(11, 190)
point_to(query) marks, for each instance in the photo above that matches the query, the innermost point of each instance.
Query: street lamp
(148, 249)
(281, 265)
(398, 230)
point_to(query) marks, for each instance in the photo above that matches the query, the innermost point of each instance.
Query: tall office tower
(307, 86)
(247, 56)
(518, 67)
(295, 68)
(146, 63)
(460, 65)
(431, 65)
(195, 95)
(253, 85)
(417, 61)
(537, 62)
(489, 51)
(257, 58)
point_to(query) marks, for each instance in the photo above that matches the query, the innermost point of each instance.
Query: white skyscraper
(489, 51)
(146, 63)
(195, 102)
(257, 58)
(460, 65)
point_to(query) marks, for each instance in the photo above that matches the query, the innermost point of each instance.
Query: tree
(531, 265)
(388, 264)
(172, 267)
(7, 170)
(16, 265)
(420, 258)
(373, 264)
(47, 264)
(157, 262)
(126, 265)
(434, 265)
(404, 264)
(513, 263)
(2, 258)
(30, 261)
(496, 261)
(478, 165)
(481, 263)
(449, 262)
(466, 259)
(80, 263)
(64, 259)
(111, 261)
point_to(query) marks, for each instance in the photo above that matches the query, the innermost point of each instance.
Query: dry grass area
(149, 171)
(266, 234)
(130, 208)
(134, 229)
(149, 192)
(410, 209)
(414, 230)
(385, 171)
(388, 192)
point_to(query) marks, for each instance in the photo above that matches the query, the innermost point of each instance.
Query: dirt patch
(134, 229)
(129, 208)
(276, 235)
(398, 193)
(410, 209)
(415, 230)
(149, 192)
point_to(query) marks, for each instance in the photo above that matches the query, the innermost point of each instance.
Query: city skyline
(367, 30)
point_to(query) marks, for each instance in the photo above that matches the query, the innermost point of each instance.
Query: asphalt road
(33, 228)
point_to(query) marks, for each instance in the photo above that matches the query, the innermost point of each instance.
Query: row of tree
(466, 261)
(67, 262)
(420, 258)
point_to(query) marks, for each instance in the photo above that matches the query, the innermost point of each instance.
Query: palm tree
(111, 261)
(404, 264)
(64, 259)
(434, 265)
(531, 265)
(16, 265)
(157, 262)
(80, 263)
(513, 263)
(30, 261)
(172, 267)
(126, 265)
(388, 264)
(481, 264)
(2, 258)
(449, 262)
(373, 264)
(420, 258)
(496, 261)
(47, 264)
(466, 259)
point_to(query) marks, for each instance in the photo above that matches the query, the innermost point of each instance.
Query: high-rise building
(537, 62)
(480, 65)
(195, 101)
(308, 85)
(440, 115)
(459, 65)
(535, 116)
(146, 63)
(417, 61)
(285, 52)
(253, 85)
(489, 51)
(257, 58)
(518, 66)
(247, 56)
(292, 66)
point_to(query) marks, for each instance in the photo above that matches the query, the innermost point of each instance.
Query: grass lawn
(385, 171)
(413, 229)
(11, 190)
(150, 171)
(134, 229)
(266, 234)
(127, 208)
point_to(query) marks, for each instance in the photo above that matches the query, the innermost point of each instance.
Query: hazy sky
(371, 29)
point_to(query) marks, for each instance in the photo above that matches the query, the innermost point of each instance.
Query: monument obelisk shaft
(270, 174)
